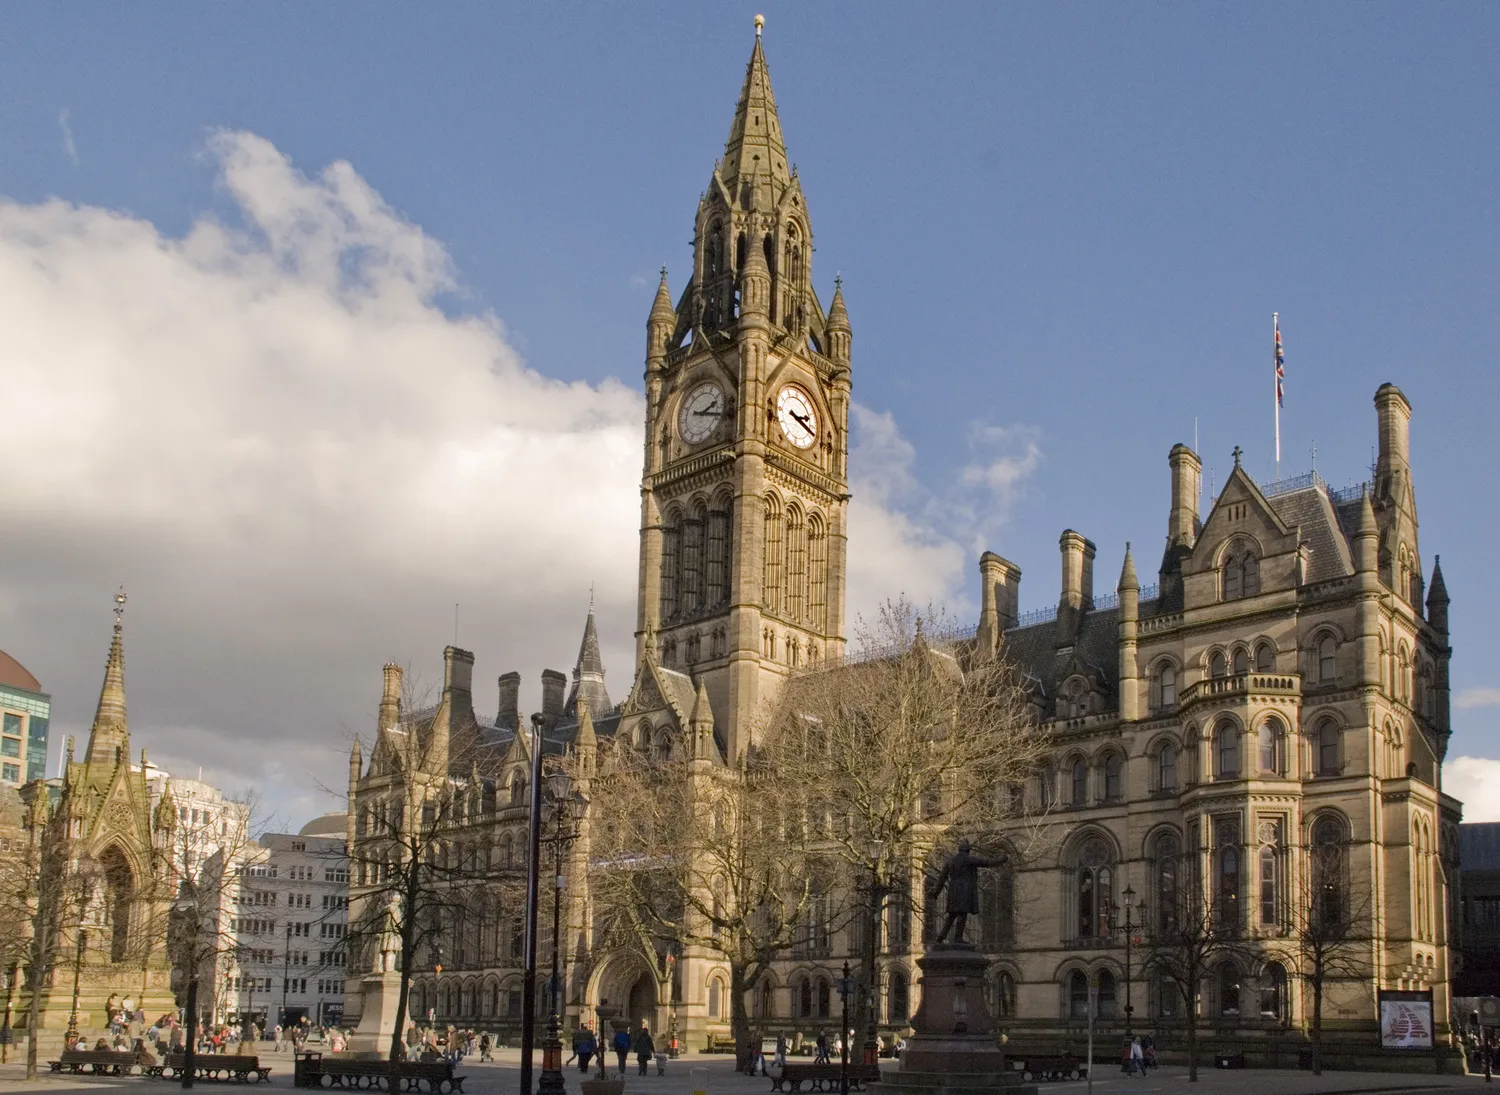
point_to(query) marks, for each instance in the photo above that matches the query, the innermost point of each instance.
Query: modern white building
(290, 919)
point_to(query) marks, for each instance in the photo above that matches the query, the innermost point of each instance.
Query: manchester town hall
(1270, 705)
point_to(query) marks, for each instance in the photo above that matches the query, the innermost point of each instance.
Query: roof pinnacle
(760, 22)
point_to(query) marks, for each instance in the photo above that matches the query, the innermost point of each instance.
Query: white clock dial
(701, 413)
(794, 410)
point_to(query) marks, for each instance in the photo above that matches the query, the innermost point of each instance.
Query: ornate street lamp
(847, 985)
(85, 874)
(1129, 929)
(566, 809)
(876, 848)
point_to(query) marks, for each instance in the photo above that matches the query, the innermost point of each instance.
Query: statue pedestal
(953, 1051)
(380, 992)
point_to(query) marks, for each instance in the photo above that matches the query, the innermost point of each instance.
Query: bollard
(700, 1080)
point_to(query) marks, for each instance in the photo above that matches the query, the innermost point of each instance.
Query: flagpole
(1276, 388)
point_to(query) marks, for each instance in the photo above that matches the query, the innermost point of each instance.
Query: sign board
(1405, 1019)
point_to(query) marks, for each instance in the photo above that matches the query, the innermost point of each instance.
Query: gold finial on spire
(760, 21)
(119, 609)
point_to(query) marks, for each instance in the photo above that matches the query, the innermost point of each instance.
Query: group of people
(586, 1047)
(1138, 1055)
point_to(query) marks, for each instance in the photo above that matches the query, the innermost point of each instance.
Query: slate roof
(1479, 846)
(1313, 511)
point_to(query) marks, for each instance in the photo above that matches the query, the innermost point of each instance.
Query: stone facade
(1283, 688)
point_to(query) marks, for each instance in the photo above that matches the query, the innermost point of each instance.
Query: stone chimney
(390, 697)
(554, 687)
(508, 713)
(1394, 414)
(1187, 477)
(1077, 585)
(1077, 570)
(458, 684)
(999, 598)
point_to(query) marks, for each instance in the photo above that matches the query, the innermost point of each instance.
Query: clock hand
(805, 424)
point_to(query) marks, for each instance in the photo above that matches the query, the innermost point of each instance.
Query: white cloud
(907, 537)
(64, 123)
(1474, 781)
(297, 462)
(1477, 697)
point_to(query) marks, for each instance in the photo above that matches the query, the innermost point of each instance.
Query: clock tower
(744, 493)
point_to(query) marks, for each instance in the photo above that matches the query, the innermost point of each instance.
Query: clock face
(701, 413)
(794, 410)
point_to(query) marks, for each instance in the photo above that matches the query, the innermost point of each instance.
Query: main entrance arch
(625, 988)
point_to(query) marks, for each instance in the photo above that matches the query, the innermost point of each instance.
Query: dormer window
(1240, 572)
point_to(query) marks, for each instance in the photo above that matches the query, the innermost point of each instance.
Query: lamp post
(78, 950)
(1128, 929)
(286, 965)
(187, 910)
(566, 809)
(846, 986)
(10, 987)
(872, 945)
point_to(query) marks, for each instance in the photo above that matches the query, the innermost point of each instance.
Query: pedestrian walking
(821, 1056)
(586, 1047)
(621, 1044)
(1137, 1059)
(781, 1051)
(644, 1048)
(277, 1036)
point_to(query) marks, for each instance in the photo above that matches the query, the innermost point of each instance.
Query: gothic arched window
(1265, 658)
(1080, 782)
(1093, 889)
(1227, 749)
(817, 567)
(691, 600)
(1229, 990)
(1269, 738)
(1241, 661)
(796, 563)
(900, 998)
(1328, 664)
(1273, 991)
(1327, 741)
(771, 581)
(1104, 995)
(671, 559)
(717, 583)
(1078, 995)
(1164, 882)
(1166, 767)
(1328, 869)
(1164, 688)
(1240, 572)
(1218, 666)
(1114, 778)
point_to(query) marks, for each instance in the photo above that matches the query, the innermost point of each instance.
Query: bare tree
(690, 853)
(1186, 946)
(41, 888)
(912, 742)
(1330, 939)
(413, 874)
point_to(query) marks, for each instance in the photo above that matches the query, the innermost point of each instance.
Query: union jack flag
(1280, 365)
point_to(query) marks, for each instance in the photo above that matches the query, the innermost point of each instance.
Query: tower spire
(111, 731)
(588, 671)
(755, 146)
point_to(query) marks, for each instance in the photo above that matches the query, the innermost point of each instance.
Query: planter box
(602, 1087)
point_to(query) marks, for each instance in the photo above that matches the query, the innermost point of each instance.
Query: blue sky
(1062, 230)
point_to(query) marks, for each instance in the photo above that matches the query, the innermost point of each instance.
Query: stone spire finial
(755, 144)
(111, 732)
(661, 308)
(1128, 579)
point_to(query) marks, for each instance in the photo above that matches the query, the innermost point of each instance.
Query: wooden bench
(101, 1062)
(212, 1066)
(1050, 1066)
(720, 1043)
(791, 1077)
(319, 1071)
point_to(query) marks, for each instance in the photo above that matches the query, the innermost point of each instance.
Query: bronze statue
(961, 876)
